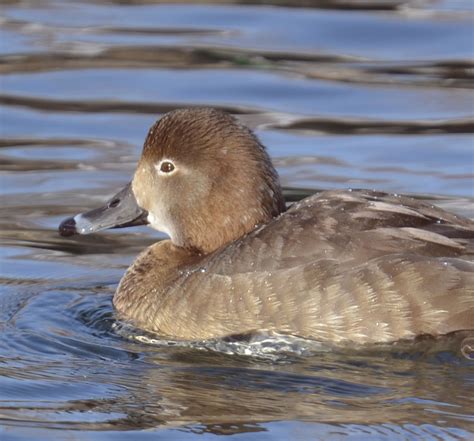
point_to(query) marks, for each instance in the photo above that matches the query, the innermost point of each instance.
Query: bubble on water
(467, 348)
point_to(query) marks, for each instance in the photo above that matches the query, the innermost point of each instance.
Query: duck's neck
(222, 220)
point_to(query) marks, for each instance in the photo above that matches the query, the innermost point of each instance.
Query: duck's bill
(120, 211)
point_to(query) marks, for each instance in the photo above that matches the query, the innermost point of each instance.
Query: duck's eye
(166, 167)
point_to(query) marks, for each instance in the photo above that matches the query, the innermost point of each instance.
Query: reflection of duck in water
(339, 266)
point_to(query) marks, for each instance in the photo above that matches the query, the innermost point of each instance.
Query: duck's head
(203, 178)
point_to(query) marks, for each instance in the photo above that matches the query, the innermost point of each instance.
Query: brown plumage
(339, 266)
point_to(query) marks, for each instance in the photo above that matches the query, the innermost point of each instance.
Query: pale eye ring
(167, 167)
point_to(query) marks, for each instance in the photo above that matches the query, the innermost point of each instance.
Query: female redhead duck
(340, 266)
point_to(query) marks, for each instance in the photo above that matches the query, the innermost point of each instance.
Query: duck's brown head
(203, 178)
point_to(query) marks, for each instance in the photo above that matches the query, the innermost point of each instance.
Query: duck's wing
(385, 299)
(348, 227)
(340, 266)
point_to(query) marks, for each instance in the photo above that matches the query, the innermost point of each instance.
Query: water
(374, 94)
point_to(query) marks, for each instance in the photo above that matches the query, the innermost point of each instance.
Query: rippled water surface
(344, 93)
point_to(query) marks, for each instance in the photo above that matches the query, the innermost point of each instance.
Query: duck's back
(340, 266)
(351, 227)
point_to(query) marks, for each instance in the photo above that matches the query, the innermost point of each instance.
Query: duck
(340, 266)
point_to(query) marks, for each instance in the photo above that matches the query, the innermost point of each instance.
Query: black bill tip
(67, 227)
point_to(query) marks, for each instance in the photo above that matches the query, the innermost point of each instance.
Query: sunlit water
(373, 93)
